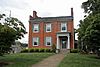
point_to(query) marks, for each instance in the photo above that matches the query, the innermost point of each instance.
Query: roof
(49, 19)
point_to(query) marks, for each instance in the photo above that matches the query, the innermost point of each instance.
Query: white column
(57, 43)
(68, 47)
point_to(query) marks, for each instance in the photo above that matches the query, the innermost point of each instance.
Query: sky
(21, 9)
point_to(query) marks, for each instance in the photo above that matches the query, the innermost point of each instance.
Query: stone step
(64, 51)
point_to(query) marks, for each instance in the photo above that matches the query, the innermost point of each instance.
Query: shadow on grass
(94, 56)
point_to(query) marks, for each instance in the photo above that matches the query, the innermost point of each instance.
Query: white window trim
(62, 26)
(33, 28)
(37, 41)
(47, 26)
(46, 41)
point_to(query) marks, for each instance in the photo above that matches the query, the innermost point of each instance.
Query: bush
(53, 48)
(25, 51)
(32, 50)
(36, 49)
(74, 51)
(41, 50)
(48, 50)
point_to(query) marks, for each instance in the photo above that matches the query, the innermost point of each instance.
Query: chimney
(35, 14)
(72, 12)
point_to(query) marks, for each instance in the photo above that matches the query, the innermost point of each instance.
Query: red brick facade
(55, 27)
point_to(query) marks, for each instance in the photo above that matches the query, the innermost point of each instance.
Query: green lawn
(79, 60)
(23, 59)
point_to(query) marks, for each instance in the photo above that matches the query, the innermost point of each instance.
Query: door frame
(61, 43)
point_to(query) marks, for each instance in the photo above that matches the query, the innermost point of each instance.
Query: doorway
(64, 43)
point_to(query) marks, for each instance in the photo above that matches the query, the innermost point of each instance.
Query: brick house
(46, 31)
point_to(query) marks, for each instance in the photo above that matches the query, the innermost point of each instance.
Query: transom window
(48, 41)
(35, 27)
(48, 27)
(63, 27)
(35, 41)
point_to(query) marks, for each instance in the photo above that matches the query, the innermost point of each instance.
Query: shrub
(47, 50)
(32, 50)
(53, 48)
(36, 50)
(74, 51)
(25, 51)
(41, 50)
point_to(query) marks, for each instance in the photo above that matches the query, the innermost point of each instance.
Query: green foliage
(91, 6)
(32, 50)
(36, 50)
(74, 51)
(11, 29)
(89, 28)
(41, 50)
(25, 51)
(7, 37)
(54, 48)
(48, 50)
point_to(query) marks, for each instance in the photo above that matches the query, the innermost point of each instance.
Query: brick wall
(56, 26)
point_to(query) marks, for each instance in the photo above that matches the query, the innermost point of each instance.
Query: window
(48, 27)
(36, 28)
(63, 27)
(35, 41)
(48, 41)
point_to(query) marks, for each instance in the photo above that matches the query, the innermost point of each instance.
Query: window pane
(63, 27)
(35, 27)
(48, 27)
(35, 41)
(48, 41)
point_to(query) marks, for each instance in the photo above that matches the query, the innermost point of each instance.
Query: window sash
(48, 27)
(48, 41)
(35, 41)
(63, 27)
(36, 28)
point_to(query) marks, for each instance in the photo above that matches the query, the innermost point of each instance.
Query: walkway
(51, 61)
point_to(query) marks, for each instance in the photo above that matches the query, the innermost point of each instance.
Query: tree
(91, 6)
(89, 28)
(11, 29)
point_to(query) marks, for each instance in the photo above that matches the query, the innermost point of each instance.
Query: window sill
(35, 45)
(48, 45)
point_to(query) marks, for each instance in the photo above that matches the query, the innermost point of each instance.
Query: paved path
(51, 61)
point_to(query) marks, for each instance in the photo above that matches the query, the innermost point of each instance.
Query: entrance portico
(63, 40)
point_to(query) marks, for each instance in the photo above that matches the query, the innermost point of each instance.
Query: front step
(64, 51)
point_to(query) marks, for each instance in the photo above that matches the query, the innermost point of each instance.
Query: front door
(64, 43)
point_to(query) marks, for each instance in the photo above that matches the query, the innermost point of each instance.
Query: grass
(79, 60)
(23, 59)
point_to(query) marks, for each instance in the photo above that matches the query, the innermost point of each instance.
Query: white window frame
(48, 39)
(62, 25)
(48, 25)
(37, 40)
(35, 26)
